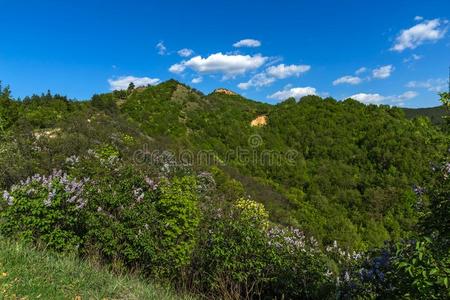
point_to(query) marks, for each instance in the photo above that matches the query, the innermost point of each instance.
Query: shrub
(120, 215)
(178, 218)
(299, 268)
(419, 272)
(142, 222)
(47, 209)
(232, 257)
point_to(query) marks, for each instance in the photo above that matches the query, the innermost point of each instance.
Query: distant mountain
(434, 113)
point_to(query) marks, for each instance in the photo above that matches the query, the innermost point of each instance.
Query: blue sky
(391, 52)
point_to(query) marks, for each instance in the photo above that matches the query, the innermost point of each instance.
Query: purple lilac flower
(446, 170)
(8, 198)
(419, 191)
(151, 183)
(52, 183)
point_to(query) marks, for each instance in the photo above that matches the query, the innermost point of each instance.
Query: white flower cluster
(293, 239)
(8, 198)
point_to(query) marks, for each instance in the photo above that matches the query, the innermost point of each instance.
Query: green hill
(434, 113)
(340, 170)
(217, 193)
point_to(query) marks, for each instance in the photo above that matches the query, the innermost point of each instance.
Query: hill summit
(224, 91)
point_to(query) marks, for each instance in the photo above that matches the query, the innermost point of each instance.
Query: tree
(131, 87)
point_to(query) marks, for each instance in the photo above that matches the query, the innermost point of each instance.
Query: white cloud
(412, 58)
(282, 71)
(247, 43)
(433, 85)
(407, 95)
(368, 98)
(272, 73)
(185, 52)
(177, 68)
(348, 80)
(161, 48)
(383, 72)
(361, 70)
(259, 80)
(427, 31)
(197, 79)
(418, 18)
(123, 82)
(229, 65)
(376, 98)
(296, 92)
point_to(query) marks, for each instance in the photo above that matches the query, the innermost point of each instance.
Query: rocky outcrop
(259, 121)
(224, 91)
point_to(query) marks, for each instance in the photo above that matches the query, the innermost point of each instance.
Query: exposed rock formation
(259, 121)
(224, 91)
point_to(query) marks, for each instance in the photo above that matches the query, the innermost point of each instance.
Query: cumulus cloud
(376, 98)
(427, 31)
(368, 98)
(123, 82)
(382, 72)
(229, 65)
(433, 84)
(247, 43)
(177, 68)
(361, 70)
(418, 18)
(407, 95)
(185, 52)
(347, 80)
(162, 50)
(197, 79)
(296, 92)
(272, 73)
(259, 80)
(282, 71)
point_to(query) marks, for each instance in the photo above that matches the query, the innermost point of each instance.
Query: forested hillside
(181, 186)
(434, 113)
(353, 166)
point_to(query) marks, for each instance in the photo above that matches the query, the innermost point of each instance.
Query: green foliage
(119, 216)
(45, 209)
(233, 254)
(177, 220)
(142, 222)
(299, 268)
(435, 114)
(348, 157)
(343, 174)
(104, 102)
(421, 273)
(28, 273)
(242, 256)
(107, 152)
(8, 110)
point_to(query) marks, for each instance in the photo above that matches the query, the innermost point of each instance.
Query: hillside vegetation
(329, 199)
(27, 273)
(435, 114)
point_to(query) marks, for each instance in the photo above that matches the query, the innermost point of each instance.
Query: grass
(27, 273)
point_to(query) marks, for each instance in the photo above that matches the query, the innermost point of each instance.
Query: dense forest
(226, 197)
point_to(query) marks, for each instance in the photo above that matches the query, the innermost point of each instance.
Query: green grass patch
(27, 273)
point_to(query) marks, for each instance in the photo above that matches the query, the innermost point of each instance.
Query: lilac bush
(45, 208)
